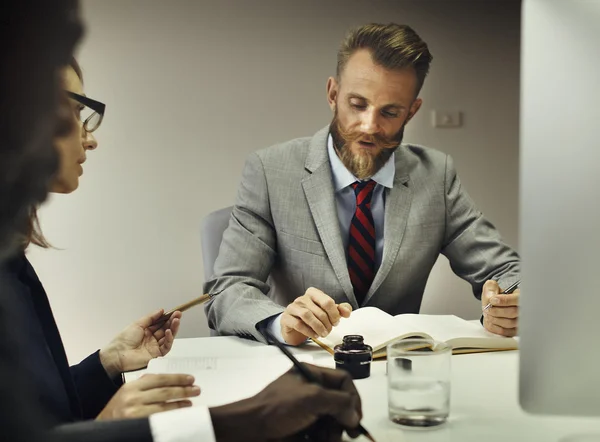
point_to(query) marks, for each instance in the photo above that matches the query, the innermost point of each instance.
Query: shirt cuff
(274, 326)
(182, 425)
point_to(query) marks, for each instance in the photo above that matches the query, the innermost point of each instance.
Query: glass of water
(418, 372)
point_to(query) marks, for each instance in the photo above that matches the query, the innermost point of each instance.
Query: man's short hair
(392, 46)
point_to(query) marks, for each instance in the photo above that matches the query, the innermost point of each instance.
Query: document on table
(226, 379)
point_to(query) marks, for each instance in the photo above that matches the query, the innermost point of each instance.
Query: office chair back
(211, 236)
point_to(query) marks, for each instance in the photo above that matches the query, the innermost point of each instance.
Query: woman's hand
(152, 393)
(140, 342)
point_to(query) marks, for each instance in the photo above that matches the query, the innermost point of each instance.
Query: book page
(374, 325)
(379, 328)
(456, 331)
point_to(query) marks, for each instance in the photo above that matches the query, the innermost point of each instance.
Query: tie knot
(367, 186)
(363, 191)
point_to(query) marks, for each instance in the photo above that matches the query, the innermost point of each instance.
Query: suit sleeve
(246, 256)
(472, 244)
(93, 385)
(22, 419)
(103, 431)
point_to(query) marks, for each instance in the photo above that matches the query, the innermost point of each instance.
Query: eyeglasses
(92, 113)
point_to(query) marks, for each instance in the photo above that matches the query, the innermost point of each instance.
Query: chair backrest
(211, 235)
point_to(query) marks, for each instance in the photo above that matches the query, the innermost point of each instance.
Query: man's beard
(363, 165)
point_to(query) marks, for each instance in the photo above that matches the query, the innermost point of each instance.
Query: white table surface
(484, 398)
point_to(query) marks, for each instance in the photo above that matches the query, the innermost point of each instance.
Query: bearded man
(351, 217)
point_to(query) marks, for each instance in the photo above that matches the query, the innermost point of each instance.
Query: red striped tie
(361, 241)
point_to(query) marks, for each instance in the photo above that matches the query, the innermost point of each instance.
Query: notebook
(379, 329)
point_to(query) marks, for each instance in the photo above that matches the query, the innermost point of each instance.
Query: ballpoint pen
(305, 373)
(508, 291)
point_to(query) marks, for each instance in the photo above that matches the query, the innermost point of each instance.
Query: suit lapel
(319, 192)
(397, 208)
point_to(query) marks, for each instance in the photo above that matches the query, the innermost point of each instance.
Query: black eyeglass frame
(94, 105)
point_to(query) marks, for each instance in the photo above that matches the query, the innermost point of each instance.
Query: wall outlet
(445, 119)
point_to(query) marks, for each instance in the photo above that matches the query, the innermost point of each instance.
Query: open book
(379, 329)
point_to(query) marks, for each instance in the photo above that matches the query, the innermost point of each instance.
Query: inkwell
(354, 356)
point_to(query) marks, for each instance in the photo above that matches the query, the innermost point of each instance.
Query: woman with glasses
(91, 389)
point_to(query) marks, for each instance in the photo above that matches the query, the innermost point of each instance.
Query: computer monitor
(560, 207)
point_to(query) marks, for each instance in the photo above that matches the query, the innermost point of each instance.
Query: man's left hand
(502, 316)
(140, 342)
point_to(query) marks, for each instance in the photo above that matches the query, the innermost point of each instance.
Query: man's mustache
(376, 139)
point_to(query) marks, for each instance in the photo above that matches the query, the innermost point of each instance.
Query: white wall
(192, 87)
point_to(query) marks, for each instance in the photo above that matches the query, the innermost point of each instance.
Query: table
(484, 398)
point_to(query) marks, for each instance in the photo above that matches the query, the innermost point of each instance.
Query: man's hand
(290, 406)
(502, 317)
(140, 342)
(310, 316)
(152, 393)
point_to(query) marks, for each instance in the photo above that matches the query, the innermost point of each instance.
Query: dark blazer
(18, 407)
(67, 394)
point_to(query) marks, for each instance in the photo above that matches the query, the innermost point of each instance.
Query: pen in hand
(510, 289)
(305, 373)
(181, 308)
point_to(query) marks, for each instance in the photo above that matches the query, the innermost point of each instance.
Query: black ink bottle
(354, 356)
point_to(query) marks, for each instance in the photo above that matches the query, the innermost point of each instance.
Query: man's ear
(414, 108)
(332, 92)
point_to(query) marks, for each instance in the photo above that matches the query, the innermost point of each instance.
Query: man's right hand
(291, 406)
(312, 315)
(152, 393)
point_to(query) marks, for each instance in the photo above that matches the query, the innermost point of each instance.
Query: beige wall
(192, 87)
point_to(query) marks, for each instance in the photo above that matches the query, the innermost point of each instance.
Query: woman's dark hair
(30, 86)
(34, 233)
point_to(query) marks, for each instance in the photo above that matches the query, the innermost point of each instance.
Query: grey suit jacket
(284, 236)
